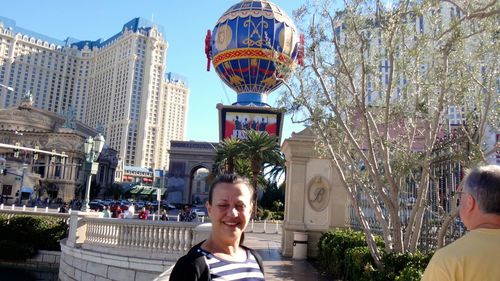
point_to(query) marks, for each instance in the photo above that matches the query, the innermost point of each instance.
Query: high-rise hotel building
(117, 85)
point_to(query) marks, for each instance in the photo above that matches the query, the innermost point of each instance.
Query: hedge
(345, 255)
(22, 236)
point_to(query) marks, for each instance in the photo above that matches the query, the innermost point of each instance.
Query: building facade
(380, 73)
(172, 117)
(29, 176)
(116, 85)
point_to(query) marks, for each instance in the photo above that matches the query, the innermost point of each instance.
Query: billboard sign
(234, 120)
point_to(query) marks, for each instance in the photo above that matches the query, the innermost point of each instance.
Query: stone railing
(120, 249)
(9, 213)
(147, 239)
(124, 249)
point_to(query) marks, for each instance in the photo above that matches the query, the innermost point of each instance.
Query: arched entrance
(190, 164)
(198, 186)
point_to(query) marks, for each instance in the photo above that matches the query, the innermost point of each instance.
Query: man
(105, 212)
(64, 208)
(187, 214)
(475, 256)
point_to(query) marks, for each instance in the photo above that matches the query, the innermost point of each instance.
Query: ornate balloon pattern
(248, 42)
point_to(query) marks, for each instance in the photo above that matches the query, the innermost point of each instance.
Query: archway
(186, 159)
(198, 185)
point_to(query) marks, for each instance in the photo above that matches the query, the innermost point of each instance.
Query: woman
(144, 214)
(163, 215)
(229, 206)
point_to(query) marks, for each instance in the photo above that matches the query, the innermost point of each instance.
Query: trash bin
(299, 245)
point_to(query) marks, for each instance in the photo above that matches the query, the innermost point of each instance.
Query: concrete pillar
(315, 200)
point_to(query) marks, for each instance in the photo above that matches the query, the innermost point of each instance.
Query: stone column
(298, 150)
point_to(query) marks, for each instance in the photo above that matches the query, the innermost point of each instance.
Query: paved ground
(277, 267)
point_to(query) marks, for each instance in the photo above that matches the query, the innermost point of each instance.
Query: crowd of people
(186, 214)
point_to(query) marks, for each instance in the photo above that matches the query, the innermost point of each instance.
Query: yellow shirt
(476, 256)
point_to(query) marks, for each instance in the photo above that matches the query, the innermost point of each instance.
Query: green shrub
(405, 267)
(44, 232)
(332, 248)
(410, 274)
(266, 214)
(258, 213)
(359, 264)
(345, 255)
(278, 215)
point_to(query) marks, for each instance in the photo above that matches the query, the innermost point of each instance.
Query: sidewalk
(277, 267)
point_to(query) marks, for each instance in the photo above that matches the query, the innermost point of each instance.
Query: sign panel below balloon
(234, 120)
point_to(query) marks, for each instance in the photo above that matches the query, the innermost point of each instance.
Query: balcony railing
(165, 240)
(144, 238)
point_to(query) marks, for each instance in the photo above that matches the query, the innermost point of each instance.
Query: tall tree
(260, 148)
(256, 156)
(376, 88)
(227, 153)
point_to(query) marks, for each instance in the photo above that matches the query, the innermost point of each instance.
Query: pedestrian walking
(163, 215)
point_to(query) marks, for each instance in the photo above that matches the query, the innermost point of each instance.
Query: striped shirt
(222, 270)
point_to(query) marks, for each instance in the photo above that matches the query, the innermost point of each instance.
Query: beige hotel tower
(118, 86)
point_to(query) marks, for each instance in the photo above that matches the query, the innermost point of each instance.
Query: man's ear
(470, 203)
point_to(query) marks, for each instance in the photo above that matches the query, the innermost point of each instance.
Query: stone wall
(44, 265)
(80, 264)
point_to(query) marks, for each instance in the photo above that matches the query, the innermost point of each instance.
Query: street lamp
(2, 169)
(7, 87)
(92, 148)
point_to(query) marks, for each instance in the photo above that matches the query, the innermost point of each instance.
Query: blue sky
(185, 25)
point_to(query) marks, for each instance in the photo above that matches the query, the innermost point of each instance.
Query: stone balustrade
(124, 249)
(120, 249)
(18, 211)
(148, 239)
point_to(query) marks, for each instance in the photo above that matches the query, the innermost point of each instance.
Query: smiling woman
(230, 204)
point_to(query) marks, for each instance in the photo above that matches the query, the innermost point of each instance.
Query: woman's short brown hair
(230, 178)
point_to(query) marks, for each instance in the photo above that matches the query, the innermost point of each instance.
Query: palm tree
(250, 157)
(227, 153)
(261, 149)
(274, 171)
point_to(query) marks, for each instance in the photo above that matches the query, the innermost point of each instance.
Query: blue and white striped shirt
(220, 269)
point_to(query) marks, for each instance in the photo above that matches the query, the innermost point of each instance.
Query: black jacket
(192, 266)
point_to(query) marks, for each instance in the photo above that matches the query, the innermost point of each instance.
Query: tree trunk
(444, 227)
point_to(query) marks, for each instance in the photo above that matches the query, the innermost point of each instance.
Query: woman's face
(230, 210)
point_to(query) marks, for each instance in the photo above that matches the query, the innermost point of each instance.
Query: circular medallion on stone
(318, 194)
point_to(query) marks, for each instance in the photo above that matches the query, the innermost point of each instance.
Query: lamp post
(92, 148)
(2, 168)
(7, 87)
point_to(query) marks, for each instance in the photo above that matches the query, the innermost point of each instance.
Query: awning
(162, 191)
(26, 189)
(147, 191)
(136, 190)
